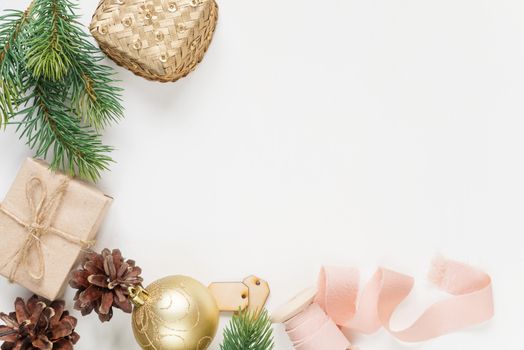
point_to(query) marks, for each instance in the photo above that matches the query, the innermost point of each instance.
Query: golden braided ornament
(161, 40)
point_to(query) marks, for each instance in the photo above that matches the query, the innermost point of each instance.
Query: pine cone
(38, 326)
(103, 282)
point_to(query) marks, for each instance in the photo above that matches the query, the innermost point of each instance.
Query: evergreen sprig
(12, 73)
(249, 331)
(54, 88)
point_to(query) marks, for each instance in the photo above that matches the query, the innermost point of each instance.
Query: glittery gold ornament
(174, 313)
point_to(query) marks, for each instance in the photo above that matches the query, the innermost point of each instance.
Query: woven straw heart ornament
(160, 40)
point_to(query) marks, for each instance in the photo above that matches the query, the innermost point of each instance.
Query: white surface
(325, 132)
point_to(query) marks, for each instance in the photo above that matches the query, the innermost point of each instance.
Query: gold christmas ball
(174, 313)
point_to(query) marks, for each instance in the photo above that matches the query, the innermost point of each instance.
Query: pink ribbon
(339, 304)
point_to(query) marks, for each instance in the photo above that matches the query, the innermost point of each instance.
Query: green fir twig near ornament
(249, 331)
(54, 89)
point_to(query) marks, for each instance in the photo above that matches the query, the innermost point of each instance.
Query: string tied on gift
(43, 208)
(340, 308)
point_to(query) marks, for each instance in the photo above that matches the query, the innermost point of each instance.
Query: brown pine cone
(38, 326)
(103, 282)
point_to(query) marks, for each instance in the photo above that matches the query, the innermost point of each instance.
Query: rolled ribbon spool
(313, 329)
(314, 319)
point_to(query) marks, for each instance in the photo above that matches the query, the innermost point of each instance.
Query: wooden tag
(258, 293)
(230, 296)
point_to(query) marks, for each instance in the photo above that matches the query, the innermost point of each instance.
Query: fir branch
(50, 48)
(11, 70)
(76, 148)
(94, 98)
(249, 331)
(51, 77)
(93, 95)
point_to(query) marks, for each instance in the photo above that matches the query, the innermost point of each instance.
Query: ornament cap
(138, 295)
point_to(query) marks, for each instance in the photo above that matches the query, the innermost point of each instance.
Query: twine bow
(43, 209)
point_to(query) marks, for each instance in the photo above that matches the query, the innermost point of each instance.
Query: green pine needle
(249, 331)
(47, 126)
(50, 47)
(11, 71)
(53, 86)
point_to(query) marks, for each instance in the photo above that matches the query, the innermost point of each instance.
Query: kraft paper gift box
(46, 220)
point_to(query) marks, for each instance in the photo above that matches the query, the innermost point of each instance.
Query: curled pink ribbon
(340, 304)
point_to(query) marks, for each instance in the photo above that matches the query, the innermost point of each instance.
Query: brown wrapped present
(46, 220)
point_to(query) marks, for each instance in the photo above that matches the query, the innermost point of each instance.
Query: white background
(361, 133)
